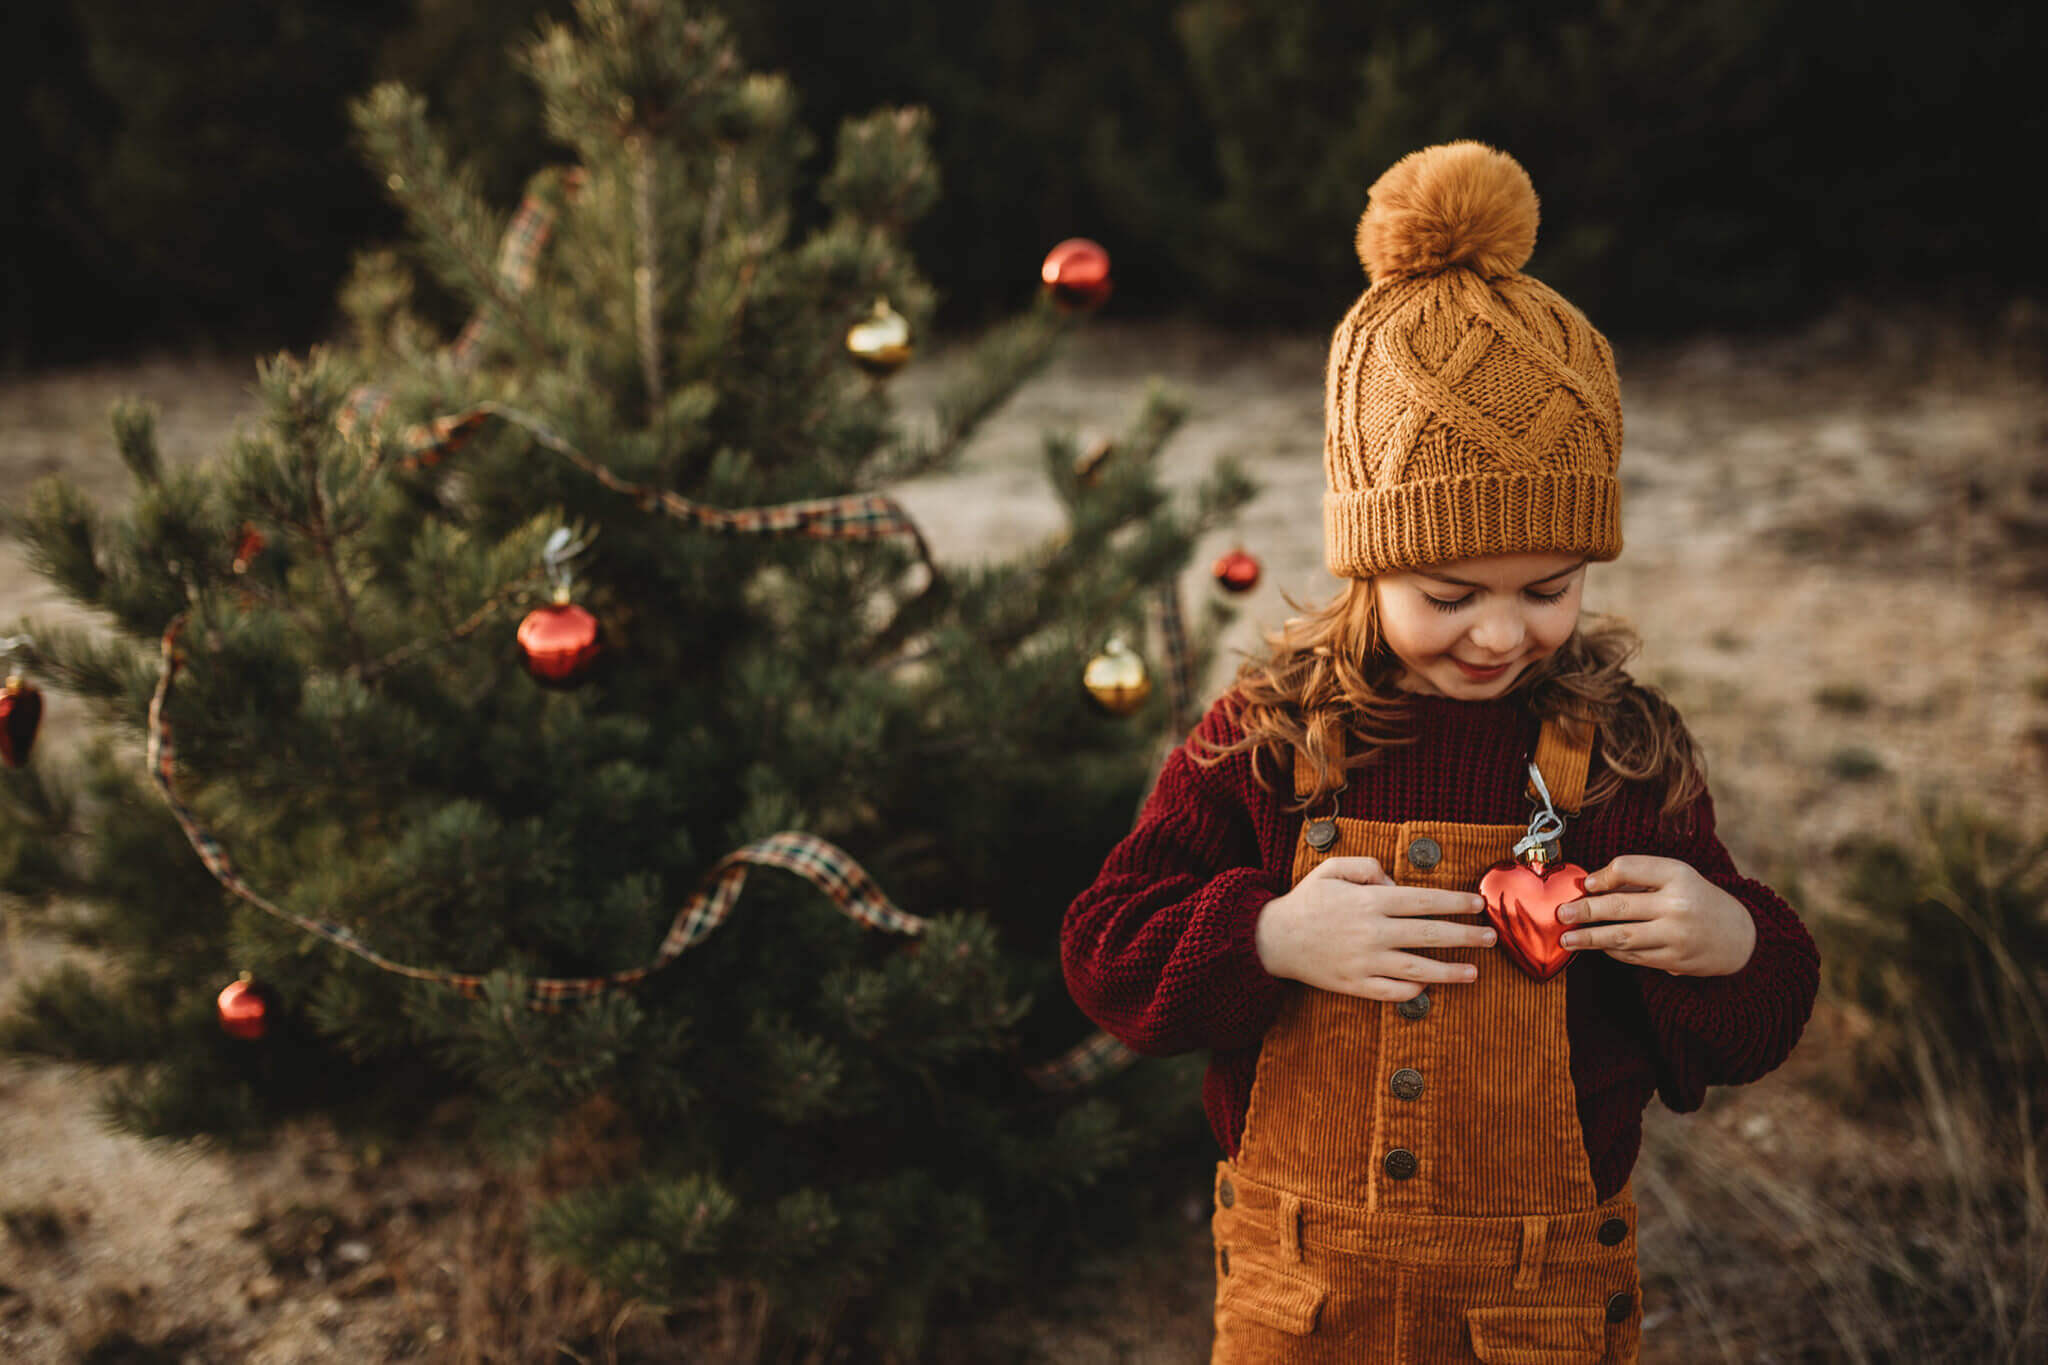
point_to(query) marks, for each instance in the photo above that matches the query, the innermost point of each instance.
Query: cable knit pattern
(1159, 949)
(1469, 409)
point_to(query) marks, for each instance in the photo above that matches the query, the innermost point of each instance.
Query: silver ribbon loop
(555, 557)
(1547, 824)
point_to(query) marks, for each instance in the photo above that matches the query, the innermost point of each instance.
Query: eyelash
(1442, 605)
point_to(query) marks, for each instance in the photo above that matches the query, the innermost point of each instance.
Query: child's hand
(1343, 925)
(1674, 919)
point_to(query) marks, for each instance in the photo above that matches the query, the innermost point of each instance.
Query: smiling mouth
(1475, 668)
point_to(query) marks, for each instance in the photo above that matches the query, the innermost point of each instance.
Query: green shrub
(1854, 764)
(1851, 699)
(1796, 1243)
(1954, 937)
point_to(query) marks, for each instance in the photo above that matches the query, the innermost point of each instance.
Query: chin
(1506, 679)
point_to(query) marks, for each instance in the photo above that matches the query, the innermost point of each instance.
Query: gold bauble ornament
(1117, 679)
(881, 344)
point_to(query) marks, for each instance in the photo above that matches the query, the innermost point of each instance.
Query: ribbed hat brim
(1520, 511)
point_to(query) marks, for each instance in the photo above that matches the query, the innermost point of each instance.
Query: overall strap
(1564, 750)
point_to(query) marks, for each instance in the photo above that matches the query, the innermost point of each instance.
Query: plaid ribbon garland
(426, 442)
(1180, 664)
(851, 516)
(518, 261)
(830, 868)
(825, 865)
(1088, 1061)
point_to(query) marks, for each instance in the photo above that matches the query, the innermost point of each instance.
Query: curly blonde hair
(1332, 667)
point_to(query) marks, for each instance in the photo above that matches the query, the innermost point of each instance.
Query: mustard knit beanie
(1469, 409)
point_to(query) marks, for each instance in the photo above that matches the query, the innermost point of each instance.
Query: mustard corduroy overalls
(1412, 1185)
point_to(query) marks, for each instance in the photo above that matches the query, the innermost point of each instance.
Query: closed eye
(1441, 605)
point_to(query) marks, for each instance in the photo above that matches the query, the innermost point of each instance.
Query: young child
(1428, 1133)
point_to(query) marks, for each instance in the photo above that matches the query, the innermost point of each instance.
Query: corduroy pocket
(1538, 1336)
(1267, 1294)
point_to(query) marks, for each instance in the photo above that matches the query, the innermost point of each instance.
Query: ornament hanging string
(1546, 824)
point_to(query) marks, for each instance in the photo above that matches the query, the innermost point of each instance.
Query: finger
(1380, 988)
(1633, 937)
(1630, 869)
(1422, 900)
(1636, 906)
(1354, 868)
(1413, 967)
(1438, 933)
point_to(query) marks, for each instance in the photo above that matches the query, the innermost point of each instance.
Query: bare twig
(714, 211)
(646, 285)
(323, 537)
(369, 671)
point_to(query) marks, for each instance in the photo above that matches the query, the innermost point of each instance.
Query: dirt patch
(1833, 555)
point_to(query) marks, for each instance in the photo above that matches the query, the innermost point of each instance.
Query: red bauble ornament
(1522, 901)
(1076, 273)
(245, 1009)
(559, 644)
(21, 711)
(1237, 571)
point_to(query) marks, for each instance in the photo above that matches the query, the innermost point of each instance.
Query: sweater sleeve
(1729, 1030)
(1159, 949)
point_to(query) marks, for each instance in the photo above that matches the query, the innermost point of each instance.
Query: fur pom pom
(1461, 203)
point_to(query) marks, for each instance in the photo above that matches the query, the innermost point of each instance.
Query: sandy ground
(1857, 506)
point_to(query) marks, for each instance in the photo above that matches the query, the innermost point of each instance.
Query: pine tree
(834, 1123)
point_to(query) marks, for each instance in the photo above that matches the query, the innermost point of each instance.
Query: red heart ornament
(1522, 903)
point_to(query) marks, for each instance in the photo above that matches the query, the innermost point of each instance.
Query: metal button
(1223, 1259)
(1415, 1008)
(1425, 852)
(1226, 1194)
(1619, 1306)
(1406, 1083)
(1321, 834)
(1612, 1232)
(1401, 1164)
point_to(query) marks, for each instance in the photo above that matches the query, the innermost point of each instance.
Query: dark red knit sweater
(1159, 951)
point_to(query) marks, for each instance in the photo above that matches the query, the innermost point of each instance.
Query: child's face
(1496, 609)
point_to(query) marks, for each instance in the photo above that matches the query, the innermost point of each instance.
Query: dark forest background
(182, 176)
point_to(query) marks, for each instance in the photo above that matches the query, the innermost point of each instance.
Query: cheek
(1419, 629)
(1552, 628)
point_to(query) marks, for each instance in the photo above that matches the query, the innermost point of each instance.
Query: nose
(1499, 632)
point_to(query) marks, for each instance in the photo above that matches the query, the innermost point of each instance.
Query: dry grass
(1924, 1239)
(1837, 545)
